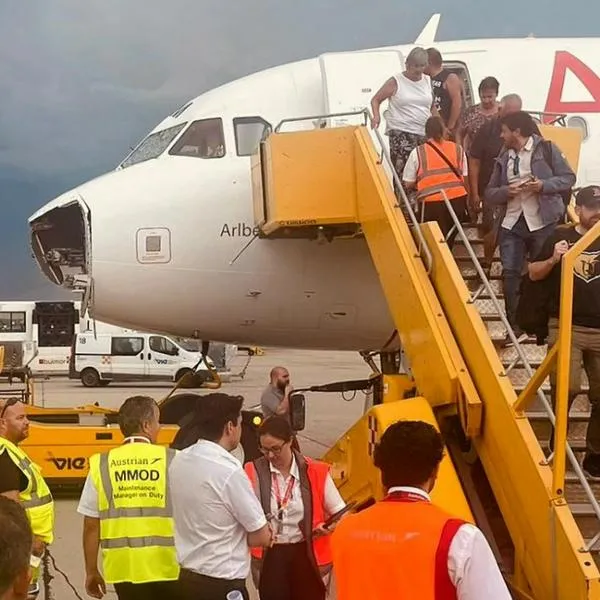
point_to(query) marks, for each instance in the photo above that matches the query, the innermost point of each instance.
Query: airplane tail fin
(428, 33)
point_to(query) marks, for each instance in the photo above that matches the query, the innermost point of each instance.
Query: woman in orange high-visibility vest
(297, 495)
(436, 167)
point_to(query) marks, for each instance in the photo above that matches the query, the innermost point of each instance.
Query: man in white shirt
(217, 515)
(529, 180)
(396, 547)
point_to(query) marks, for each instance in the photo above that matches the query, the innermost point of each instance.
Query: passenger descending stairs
(579, 416)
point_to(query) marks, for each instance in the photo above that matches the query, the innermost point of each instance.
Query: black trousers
(155, 590)
(193, 586)
(437, 211)
(287, 574)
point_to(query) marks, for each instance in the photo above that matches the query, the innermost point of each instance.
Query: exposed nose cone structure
(60, 239)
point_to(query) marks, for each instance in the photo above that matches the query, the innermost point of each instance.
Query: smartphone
(528, 180)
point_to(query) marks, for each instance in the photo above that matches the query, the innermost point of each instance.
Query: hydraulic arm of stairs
(326, 183)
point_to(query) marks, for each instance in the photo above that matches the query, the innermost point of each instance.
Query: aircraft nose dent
(59, 239)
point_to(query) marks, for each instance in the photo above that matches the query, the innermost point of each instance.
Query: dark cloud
(81, 82)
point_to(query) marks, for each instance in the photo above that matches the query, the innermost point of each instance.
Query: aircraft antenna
(246, 246)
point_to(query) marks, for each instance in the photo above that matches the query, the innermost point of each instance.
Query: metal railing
(537, 377)
(357, 113)
(553, 118)
(560, 355)
(423, 248)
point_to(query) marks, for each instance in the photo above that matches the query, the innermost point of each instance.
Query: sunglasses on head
(10, 402)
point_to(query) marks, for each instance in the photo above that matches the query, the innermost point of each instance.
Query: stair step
(574, 417)
(586, 519)
(574, 492)
(468, 271)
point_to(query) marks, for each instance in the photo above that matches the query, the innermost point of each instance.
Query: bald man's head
(280, 378)
(14, 424)
(511, 103)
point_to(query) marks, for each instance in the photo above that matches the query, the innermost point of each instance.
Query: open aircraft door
(351, 78)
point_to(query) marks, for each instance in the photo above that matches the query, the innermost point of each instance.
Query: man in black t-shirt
(12, 479)
(585, 345)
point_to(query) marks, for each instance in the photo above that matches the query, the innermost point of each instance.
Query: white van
(131, 356)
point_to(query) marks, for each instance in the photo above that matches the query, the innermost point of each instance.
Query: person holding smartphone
(527, 183)
(299, 498)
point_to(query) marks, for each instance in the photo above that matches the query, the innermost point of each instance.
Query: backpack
(547, 151)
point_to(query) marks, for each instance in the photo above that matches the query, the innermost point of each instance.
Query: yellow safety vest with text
(36, 499)
(136, 517)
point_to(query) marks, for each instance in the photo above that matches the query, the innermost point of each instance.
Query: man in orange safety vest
(406, 547)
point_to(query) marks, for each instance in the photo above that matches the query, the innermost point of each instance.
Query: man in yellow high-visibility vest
(21, 480)
(127, 512)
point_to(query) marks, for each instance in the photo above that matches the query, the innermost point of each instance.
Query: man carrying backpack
(529, 179)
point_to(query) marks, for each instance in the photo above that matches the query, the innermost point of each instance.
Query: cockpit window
(153, 146)
(249, 131)
(202, 139)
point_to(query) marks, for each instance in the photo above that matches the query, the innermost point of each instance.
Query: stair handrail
(553, 117)
(563, 354)
(424, 250)
(567, 450)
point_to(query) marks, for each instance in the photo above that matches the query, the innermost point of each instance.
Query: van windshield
(189, 344)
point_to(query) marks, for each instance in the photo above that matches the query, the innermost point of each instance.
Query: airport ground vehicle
(537, 508)
(42, 334)
(62, 439)
(43, 330)
(98, 359)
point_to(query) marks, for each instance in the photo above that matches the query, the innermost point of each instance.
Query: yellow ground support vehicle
(62, 439)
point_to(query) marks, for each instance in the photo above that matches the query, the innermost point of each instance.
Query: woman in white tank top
(410, 105)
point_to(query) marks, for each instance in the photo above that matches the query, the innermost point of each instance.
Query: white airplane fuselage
(294, 293)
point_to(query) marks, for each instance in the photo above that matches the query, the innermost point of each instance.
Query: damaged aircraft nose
(60, 240)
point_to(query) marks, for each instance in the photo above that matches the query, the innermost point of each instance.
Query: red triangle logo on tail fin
(562, 61)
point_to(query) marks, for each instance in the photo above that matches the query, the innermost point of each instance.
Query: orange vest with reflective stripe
(316, 472)
(435, 174)
(397, 549)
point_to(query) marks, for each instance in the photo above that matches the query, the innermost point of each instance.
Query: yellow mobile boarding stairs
(538, 510)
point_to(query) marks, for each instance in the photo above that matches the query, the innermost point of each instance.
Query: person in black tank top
(447, 91)
(443, 101)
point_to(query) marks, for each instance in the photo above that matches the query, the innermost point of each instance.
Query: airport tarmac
(328, 416)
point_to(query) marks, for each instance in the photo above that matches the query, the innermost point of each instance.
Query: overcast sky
(82, 81)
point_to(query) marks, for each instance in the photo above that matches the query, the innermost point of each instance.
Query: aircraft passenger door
(350, 79)
(128, 357)
(162, 357)
(460, 69)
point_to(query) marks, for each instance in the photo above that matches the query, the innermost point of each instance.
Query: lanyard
(132, 439)
(282, 502)
(401, 496)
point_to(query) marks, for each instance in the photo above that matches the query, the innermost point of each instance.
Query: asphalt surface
(328, 416)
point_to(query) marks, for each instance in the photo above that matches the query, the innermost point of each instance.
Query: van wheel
(90, 378)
